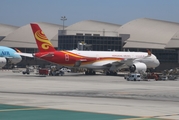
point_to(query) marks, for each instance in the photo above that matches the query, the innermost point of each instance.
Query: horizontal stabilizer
(25, 54)
(47, 55)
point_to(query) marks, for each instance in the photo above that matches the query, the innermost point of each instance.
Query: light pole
(63, 18)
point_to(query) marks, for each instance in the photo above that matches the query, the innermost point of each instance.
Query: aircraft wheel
(93, 73)
(107, 73)
(114, 73)
(86, 72)
(111, 73)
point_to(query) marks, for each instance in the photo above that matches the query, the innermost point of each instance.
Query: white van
(65, 70)
(134, 77)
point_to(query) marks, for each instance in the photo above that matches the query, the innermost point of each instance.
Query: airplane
(8, 55)
(109, 61)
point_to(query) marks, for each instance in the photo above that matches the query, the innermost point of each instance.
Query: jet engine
(2, 62)
(138, 67)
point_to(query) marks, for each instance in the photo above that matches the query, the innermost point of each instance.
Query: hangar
(162, 37)
(95, 34)
(6, 29)
(155, 34)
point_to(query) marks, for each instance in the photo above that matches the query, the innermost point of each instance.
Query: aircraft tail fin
(44, 45)
(17, 50)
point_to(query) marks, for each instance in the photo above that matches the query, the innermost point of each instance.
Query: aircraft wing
(25, 54)
(128, 62)
(121, 64)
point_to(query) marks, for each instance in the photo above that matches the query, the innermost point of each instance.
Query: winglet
(44, 45)
(149, 52)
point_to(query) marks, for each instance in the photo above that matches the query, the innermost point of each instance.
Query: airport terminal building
(162, 37)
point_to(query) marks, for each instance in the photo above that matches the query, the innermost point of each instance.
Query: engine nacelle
(3, 62)
(138, 67)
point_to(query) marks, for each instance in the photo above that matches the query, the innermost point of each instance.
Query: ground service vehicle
(134, 77)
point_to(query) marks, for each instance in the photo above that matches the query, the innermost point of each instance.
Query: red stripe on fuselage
(69, 59)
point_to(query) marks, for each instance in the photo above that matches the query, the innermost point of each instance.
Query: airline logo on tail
(39, 35)
(17, 50)
(42, 41)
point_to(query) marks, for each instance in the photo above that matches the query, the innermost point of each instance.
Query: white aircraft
(109, 61)
(8, 55)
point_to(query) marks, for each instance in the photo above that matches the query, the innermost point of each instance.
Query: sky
(22, 12)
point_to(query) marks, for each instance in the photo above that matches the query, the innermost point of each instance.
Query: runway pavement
(97, 94)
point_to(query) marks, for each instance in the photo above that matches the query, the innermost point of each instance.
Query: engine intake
(138, 67)
(3, 62)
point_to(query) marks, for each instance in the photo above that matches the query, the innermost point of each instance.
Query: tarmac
(81, 97)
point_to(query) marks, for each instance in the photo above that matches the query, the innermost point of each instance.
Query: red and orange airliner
(109, 61)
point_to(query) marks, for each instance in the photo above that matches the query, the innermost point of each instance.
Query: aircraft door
(97, 57)
(66, 57)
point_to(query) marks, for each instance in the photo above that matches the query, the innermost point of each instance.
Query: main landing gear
(108, 72)
(90, 72)
(113, 73)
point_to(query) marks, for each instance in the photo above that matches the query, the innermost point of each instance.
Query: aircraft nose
(20, 58)
(17, 60)
(157, 62)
